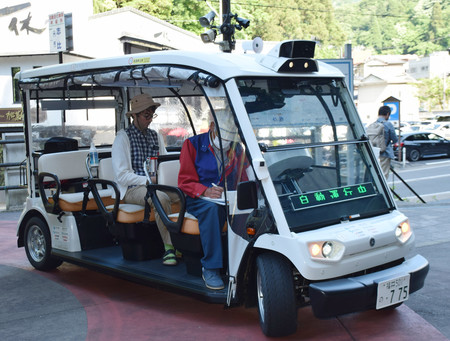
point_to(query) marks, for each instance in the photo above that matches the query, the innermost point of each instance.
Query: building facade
(384, 77)
(28, 41)
(436, 64)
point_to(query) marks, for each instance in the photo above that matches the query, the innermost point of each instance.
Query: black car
(421, 144)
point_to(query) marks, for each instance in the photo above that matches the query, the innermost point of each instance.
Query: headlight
(403, 231)
(328, 250)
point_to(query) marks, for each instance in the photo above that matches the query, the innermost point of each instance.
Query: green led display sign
(331, 196)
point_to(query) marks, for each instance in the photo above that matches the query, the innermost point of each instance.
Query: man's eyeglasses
(149, 113)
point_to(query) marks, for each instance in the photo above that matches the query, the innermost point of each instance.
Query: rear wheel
(38, 245)
(414, 155)
(276, 295)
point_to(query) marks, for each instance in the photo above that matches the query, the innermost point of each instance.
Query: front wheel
(38, 245)
(276, 295)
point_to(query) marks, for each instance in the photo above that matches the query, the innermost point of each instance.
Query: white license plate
(392, 291)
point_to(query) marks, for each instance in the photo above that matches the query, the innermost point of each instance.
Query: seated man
(130, 149)
(201, 175)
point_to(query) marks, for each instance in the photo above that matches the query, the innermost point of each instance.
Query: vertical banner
(57, 32)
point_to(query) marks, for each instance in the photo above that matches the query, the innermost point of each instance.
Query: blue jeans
(211, 218)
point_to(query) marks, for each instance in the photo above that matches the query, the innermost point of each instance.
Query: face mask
(225, 143)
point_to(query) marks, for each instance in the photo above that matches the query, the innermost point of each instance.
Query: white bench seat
(190, 224)
(73, 202)
(129, 213)
(70, 165)
(132, 213)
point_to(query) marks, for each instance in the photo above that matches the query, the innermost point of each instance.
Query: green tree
(436, 23)
(103, 5)
(157, 8)
(397, 26)
(185, 14)
(272, 20)
(431, 93)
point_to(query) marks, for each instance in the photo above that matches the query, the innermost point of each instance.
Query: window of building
(15, 84)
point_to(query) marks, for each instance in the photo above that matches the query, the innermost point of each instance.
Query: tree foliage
(431, 93)
(272, 20)
(157, 8)
(397, 26)
(387, 26)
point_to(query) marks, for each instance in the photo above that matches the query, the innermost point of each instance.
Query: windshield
(320, 168)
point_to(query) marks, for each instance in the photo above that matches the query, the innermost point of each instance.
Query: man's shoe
(169, 258)
(212, 279)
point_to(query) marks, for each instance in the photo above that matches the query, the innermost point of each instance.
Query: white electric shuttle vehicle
(314, 222)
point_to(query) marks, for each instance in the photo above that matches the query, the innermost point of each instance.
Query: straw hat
(140, 103)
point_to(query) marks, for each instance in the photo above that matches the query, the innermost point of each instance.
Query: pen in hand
(214, 192)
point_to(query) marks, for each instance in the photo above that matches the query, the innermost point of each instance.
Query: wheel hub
(36, 243)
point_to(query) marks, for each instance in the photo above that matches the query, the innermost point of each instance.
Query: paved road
(73, 303)
(431, 224)
(429, 178)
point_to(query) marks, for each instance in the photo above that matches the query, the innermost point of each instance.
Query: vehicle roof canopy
(177, 63)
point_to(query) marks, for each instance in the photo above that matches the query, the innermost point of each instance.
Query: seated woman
(201, 175)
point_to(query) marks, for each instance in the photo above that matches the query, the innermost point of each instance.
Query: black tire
(38, 245)
(414, 155)
(277, 305)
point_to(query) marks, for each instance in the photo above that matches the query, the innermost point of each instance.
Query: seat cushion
(129, 213)
(73, 202)
(132, 213)
(190, 224)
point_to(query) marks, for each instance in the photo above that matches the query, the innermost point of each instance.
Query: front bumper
(347, 295)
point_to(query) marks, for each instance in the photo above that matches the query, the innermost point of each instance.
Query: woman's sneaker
(212, 279)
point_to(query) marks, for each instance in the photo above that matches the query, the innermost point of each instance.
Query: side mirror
(247, 195)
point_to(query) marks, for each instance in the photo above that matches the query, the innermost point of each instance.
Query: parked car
(442, 129)
(421, 144)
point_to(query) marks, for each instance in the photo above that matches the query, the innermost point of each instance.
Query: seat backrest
(168, 173)
(105, 170)
(65, 165)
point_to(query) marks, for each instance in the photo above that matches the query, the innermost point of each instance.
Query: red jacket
(199, 169)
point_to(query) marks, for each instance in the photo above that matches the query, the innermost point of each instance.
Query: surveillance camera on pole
(209, 36)
(207, 20)
(227, 28)
(243, 23)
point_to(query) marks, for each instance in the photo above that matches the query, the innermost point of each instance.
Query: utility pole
(227, 31)
(226, 28)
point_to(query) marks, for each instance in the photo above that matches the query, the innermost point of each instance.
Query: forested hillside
(386, 26)
(396, 26)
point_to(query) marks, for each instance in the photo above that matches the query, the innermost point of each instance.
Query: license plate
(392, 291)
